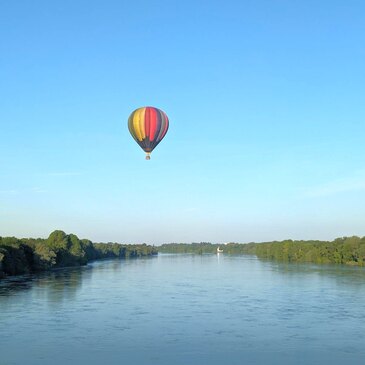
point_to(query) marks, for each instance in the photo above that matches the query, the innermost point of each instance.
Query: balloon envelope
(148, 126)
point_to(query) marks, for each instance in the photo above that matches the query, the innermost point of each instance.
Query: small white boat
(219, 250)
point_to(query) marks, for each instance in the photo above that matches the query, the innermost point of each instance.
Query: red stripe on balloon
(153, 123)
(147, 122)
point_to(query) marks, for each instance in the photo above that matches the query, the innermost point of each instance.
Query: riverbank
(29, 255)
(344, 250)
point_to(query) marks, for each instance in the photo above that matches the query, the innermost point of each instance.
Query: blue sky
(266, 108)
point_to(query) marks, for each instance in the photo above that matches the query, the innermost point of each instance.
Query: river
(185, 310)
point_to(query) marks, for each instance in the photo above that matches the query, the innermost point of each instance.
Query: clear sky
(266, 108)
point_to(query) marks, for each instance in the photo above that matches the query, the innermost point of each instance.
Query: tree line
(197, 248)
(344, 250)
(207, 248)
(28, 255)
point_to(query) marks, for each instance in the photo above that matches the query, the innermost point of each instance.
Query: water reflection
(14, 284)
(58, 286)
(342, 274)
(53, 287)
(63, 284)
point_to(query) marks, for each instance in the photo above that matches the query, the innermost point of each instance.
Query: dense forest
(27, 255)
(345, 250)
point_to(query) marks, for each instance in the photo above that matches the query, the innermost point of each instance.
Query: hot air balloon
(148, 126)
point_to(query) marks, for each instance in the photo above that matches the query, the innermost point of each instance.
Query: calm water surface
(185, 310)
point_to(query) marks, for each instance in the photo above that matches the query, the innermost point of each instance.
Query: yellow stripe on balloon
(136, 124)
(142, 123)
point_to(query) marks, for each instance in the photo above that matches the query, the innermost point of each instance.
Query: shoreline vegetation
(344, 250)
(29, 255)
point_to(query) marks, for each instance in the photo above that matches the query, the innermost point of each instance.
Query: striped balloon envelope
(148, 126)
